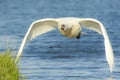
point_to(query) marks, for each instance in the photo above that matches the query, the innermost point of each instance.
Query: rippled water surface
(52, 56)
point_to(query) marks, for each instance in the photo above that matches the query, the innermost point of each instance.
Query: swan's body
(69, 27)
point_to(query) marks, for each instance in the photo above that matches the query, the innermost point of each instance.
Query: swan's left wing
(98, 27)
(37, 28)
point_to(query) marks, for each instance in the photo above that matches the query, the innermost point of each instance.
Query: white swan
(70, 27)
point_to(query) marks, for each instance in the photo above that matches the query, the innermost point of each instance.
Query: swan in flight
(70, 27)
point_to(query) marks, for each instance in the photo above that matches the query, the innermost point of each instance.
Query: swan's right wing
(37, 28)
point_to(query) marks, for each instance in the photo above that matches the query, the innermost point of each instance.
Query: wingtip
(112, 68)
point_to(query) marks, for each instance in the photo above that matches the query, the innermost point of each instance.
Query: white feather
(37, 28)
(42, 26)
(98, 27)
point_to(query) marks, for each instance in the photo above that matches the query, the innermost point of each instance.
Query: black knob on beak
(78, 36)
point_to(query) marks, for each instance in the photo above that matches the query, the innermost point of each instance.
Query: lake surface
(52, 56)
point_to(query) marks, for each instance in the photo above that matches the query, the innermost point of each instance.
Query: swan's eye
(63, 27)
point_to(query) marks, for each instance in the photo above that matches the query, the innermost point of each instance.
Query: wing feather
(98, 27)
(37, 28)
(91, 24)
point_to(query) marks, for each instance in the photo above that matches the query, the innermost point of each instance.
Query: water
(52, 56)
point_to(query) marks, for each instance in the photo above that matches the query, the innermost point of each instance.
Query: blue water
(52, 56)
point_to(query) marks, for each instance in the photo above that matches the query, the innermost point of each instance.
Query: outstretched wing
(98, 27)
(37, 28)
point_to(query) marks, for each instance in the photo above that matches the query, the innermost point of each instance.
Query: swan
(70, 27)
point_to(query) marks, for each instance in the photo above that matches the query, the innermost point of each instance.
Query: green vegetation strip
(8, 69)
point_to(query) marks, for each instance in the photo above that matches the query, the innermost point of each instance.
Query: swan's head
(69, 28)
